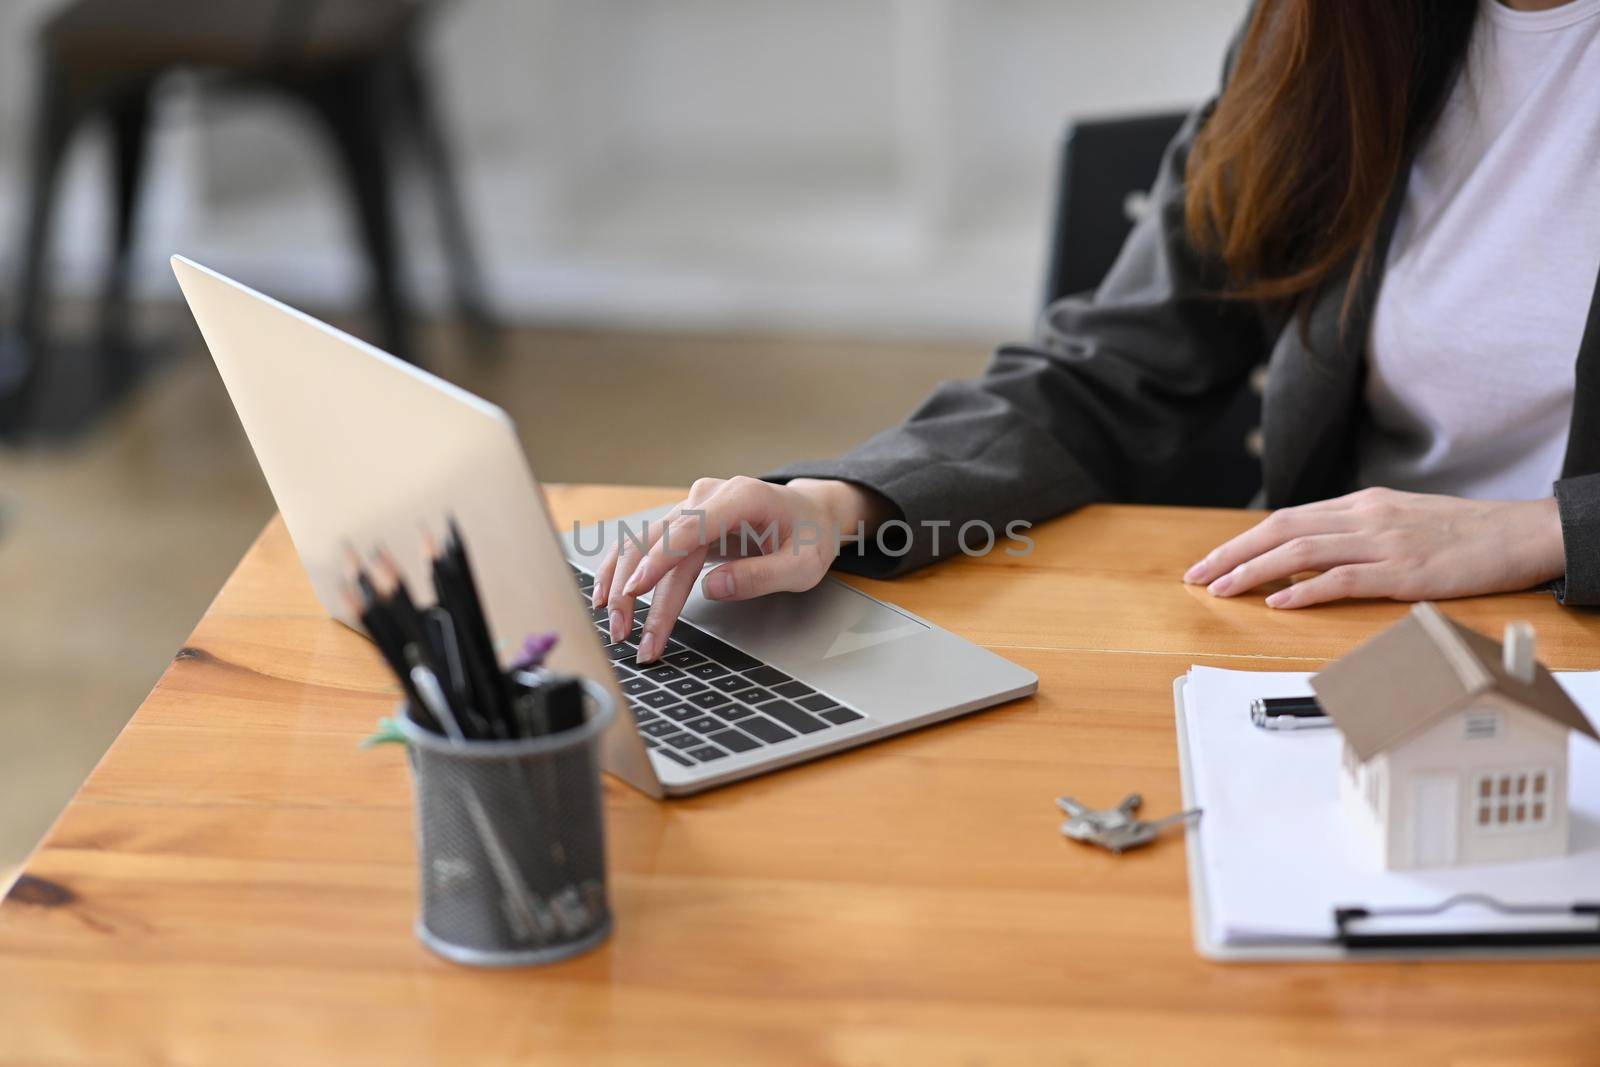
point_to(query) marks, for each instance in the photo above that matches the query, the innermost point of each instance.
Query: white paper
(1277, 855)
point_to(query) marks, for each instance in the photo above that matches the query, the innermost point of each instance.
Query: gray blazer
(1117, 382)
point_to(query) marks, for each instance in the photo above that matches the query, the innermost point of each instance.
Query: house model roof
(1421, 669)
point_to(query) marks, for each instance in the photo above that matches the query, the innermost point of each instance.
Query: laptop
(363, 449)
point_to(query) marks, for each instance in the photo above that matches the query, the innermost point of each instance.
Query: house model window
(1513, 800)
(1455, 746)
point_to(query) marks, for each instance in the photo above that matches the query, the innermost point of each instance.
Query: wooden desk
(234, 884)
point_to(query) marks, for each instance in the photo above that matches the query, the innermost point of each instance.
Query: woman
(1396, 205)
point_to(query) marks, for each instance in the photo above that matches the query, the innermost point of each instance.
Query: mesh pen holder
(511, 842)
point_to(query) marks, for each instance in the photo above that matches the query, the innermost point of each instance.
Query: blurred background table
(235, 882)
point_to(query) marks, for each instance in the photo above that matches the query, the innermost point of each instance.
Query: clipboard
(1384, 934)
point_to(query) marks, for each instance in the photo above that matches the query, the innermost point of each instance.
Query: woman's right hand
(786, 536)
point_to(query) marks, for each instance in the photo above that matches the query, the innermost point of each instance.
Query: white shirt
(1475, 336)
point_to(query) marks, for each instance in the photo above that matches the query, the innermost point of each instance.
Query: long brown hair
(1289, 176)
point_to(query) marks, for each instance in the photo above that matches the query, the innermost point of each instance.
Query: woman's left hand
(1385, 543)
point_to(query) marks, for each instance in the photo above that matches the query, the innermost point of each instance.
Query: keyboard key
(817, 703)
(714, 648)
(707, 753)
(659, 728)
(731, 683)
(793, 717)
(620, 651)
(753, 695)
(680, 712)
(767, 676)
(707, 671)
(765, 729)
(704, 724)
(685, 659)
(840, 716)
(642, 714)
(709, 699)
(621, 670)
(651, 742)
(793, 690)
(663, 674)
(636, 685)
(601, 616)
(656, 698)
(675, 757)
(672, 648)
(681, 740)
(733, 740)
(732, 712)
(686, 687)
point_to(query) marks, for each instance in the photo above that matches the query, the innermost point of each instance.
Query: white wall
(842, 165)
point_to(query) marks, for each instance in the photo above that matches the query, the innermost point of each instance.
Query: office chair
(1106, 167)
(354, 65)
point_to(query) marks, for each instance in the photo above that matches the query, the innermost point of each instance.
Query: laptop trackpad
(791, 630)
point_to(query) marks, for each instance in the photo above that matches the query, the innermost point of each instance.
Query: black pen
(476, 620)
(1288, 713)
(479, 664)
(442, 632)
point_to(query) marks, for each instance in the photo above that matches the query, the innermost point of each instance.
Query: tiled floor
(110, 547)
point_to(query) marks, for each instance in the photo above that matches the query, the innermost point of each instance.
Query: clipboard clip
(1398, 928)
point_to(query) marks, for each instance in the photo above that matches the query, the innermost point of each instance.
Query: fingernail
(597, 597)
(1221, 585)
(618, 625)
(719, 585)
(1278, 599)
(649, 647)
(633, 581)
(1193, 574)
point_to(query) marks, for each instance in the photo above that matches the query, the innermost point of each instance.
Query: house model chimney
(1518, 651)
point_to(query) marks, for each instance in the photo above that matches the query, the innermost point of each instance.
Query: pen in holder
(510, 841)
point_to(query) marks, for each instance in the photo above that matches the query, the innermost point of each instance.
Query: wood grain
(234, 884)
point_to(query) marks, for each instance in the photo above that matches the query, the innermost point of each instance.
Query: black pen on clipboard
(1288, 713)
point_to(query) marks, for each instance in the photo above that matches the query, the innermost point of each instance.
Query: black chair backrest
(1107, 166)
(1106, 169)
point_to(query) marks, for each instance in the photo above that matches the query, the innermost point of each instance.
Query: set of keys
(1116, 829)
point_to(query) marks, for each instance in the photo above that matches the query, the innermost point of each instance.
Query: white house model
(1455, 747)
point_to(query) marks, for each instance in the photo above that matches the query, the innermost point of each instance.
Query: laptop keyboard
(703, 699)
